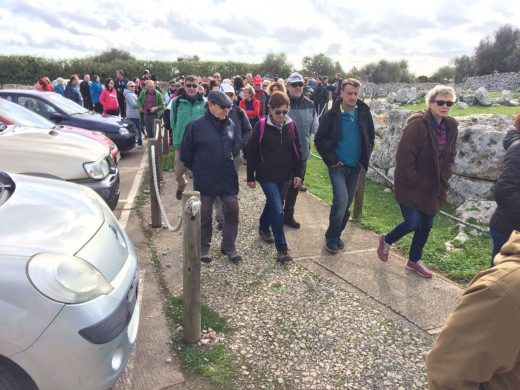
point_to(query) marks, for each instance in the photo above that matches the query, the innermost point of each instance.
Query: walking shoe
(283, 256)
(205, 259)
(383, 249)
(302, 188)
(266, 236)
(178, 194)
(332, 246)
(288, 219)
(419, 268)
(233, 256)
(340, 243)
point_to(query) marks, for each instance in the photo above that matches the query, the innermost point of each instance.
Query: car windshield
(22, 116)
(65, 104)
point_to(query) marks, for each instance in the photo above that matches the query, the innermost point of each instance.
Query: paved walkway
(421, 304)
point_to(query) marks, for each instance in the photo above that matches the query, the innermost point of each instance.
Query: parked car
(68, 287)
(66, 156)
(63, 111)
(14, 114)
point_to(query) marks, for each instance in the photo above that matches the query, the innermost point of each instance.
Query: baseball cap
(294, 78)
(257, 80)
(226, 88)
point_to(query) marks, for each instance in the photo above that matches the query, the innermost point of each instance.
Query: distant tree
(113, 55)
(464, 68)
(319, 64)
(444, 74)
(385, 72)
(188, 58)
(277, 64)
(501, 53)
(423, 79)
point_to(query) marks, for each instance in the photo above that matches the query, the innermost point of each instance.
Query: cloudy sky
(426, 34)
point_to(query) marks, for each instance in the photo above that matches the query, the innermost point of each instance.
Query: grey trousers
(230, 228)
(219, 215)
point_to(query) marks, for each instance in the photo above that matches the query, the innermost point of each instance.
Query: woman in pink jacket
(108, 98)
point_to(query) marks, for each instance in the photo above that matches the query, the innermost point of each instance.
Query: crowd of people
(268, 124)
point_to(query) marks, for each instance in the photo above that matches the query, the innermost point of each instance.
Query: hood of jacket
(511, 136)
(128, 91)
(510, 250)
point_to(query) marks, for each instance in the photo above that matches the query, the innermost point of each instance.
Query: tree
(464, 68)
(385, 72)
(113, 55)
(443, 75)
(277, 64)
(319, 64)
(500, 54)
(188, 58)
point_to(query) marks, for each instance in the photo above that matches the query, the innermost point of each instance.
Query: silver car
(69, 308)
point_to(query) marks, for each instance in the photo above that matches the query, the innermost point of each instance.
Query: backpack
(166, 115)
(262, 128)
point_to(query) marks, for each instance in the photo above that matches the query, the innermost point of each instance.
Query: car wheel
(12, 377)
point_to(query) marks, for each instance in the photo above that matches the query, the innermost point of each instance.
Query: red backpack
(262, 128)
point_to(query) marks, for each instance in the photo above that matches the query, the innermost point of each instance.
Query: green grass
(215, 362)
(381, 213)
(168, 160)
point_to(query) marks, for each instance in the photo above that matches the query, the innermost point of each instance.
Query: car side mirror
(56, 116)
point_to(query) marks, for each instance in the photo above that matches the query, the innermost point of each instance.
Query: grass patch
(168, 160)
(381, 213)
(215, 362)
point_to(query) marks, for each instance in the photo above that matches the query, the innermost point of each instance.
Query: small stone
(169, 360)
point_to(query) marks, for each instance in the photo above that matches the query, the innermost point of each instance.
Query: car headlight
(97, 170)
(123, 131)
(65, 278)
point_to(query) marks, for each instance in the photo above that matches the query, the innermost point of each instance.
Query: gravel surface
(295, 329)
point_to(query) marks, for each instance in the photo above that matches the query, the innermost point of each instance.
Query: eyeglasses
(281, 112)
(295, 85)
(223, 107)
(441, 103)
(191, 85)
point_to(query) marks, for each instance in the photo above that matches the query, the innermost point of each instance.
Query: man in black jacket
(207, 149)
(120, 85)
(84, 89)
(345, 140)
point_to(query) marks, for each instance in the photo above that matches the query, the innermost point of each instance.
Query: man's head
(219, 104)
(257, 83)
(120, 74)
(74, 79)
(318, 80)
(336, 76)
(325, 80)
(86, 77)
(349, 93)
(190, 86)
(216, 76)
(172, 84)
(249, 77)
(295, 85)
(150, 85)
(440, 98)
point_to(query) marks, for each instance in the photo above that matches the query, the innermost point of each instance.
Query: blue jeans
(499, 239)
(414, 221)
(273, 212)
(137, 124)
(344, 181)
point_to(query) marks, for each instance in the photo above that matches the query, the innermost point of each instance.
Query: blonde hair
(442, 90)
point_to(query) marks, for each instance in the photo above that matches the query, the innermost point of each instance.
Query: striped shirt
(441, 135)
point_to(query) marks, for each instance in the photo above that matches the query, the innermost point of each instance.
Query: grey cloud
(333, 49)
(293, 36)
(243, 26)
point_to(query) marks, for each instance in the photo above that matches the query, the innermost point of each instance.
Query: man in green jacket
(183, 109)
(151, 105)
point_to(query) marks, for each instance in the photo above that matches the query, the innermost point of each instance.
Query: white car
(69, 308)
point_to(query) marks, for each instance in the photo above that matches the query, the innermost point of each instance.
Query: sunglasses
(223, 107)
(296, 85)
(280, 112)
(441, 103)
(191, 85)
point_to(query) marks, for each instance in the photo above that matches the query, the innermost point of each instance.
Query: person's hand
(337, 164)
(251, 184)
(153, 109)
(141, 110)
(297, 181)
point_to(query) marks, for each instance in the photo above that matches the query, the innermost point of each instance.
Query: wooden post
(191, 272)
(154, 203)
(358, 197)
(158, 149)
(166, 142)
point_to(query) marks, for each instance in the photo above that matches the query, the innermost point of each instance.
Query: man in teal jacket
(150, 104)
(183, 110)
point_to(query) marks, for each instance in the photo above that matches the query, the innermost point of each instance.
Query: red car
(14, 114)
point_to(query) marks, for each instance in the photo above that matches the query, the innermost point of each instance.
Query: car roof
(23, 91)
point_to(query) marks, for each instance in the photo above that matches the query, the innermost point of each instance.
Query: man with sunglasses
(207, 148)
(183, 109)
(345, 140)
(424, 161)
(302, 112)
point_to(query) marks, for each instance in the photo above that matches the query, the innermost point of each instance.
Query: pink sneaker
(419, 268)
(383, 249)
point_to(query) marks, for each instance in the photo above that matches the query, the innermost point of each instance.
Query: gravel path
(295, 329)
